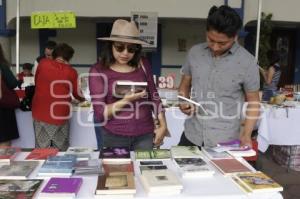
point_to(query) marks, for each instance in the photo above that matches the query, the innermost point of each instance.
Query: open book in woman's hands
(122, 88)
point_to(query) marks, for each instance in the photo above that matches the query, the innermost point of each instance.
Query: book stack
(17, 169)
(193, 167)
(115, 155)
(8, 153)
(155, 154)
(10, 189)
(256, 182)
(117, 181)
(41, 153)
(88, 167)
(58, 166)
(161, 182)
(61, 188)
(234, 149)
(81, 153)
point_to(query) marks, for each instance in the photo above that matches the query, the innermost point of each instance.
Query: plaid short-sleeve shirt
(219, 84)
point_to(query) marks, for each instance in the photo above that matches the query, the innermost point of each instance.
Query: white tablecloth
(216, 187)
(82, 132)
(279, 126)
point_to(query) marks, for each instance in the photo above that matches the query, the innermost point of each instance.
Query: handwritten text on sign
(64, 19)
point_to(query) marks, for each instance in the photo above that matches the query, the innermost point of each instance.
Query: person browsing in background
(27, 68)
(271, 75)
(8, 123)
(127, 121)
(221, 74)
(55, 81)
(50, 45)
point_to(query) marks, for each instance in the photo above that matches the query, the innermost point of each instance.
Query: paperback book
(185, 152)
(116, 183)
(125, 87)
(81, 153)
(61, 187)
(115, 155)
(19, 189)
(56, 168)
(193, 167)
(152, 168)
(164, 182)
(230, 166)
(88, 167)
(233, 148)
(110, 168)
(201, 110)
(17, 169)
(211, 154)
(152, 154)
(8, 153)
(41, 153)
(258, 182)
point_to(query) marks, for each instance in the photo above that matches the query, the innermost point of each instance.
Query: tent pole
(258, 29)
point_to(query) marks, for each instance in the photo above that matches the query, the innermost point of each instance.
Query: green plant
(265, 39)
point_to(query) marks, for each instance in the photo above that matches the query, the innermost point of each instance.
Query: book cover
(152, 168)
(19, 189)
(193, 167)
(240, 185)
(8, 153)
(115, 154)
(41, 153)
(81, 153)
(54, 168)
(160, 181)
(62, 158)
(233, 148)
(201, 109)
(258, 182)
(17, 169)
(211, 154)
(185, 151)
(154, 162)
(65, 186)
(109, 168)
(116, 183)
(124, 87)
(88, 167)
(152, 154)
(228, 166)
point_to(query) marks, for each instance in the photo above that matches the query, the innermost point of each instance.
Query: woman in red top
(55, 81)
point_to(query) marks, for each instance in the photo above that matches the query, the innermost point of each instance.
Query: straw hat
(124, 31)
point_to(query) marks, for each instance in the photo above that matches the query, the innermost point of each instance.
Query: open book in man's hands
(122, 88)
(201, 109)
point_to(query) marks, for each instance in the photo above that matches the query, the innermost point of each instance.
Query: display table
(215, 187)
(82, 132)
(278, 126)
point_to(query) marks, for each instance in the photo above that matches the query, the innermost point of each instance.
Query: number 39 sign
(166, 81)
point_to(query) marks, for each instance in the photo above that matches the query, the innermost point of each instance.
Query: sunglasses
(131, 48)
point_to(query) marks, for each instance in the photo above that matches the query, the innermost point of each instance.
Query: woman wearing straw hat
(126, 121)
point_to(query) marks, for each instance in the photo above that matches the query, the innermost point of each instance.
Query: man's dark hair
(223, 20)
(63, 50)
(50, 44)
(107, 58)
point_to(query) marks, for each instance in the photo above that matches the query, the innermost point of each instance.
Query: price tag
(64, 19)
